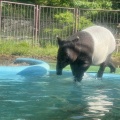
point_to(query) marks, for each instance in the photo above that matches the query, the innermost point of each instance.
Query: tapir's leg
(110, 64)
(112, 67)
(78, 70)
(101, 70)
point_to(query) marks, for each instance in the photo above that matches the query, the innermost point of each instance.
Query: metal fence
(41, 24)
(17, 21)
(53, 21)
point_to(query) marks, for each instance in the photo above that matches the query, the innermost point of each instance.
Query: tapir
(91, 46)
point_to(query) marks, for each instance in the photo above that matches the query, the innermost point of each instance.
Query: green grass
(24, 48)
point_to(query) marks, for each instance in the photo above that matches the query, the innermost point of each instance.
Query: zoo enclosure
(40, 24)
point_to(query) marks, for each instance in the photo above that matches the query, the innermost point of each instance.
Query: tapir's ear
(60, 42)
(76, 39)
(72, 54)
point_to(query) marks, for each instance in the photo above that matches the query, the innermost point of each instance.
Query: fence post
(39, 24)
(0, 17)
(76, 20)
(36, 23)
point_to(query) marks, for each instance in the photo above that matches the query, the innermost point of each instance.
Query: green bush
(66, 18)
(66, 24)
(84, 23)
(106, 4)
(63, 24)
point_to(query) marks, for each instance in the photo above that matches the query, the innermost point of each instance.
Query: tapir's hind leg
(108, 63)
(112, 67)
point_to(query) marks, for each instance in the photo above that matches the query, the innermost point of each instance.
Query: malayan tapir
(91, 46)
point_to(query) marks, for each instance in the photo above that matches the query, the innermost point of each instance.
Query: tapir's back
(102, 39)
(104, 43)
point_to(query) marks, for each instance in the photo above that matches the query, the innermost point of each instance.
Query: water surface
(59, 98)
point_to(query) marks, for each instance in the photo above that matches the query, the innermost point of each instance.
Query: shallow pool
(59, 98)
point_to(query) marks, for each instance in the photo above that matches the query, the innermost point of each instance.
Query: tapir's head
(66, 54)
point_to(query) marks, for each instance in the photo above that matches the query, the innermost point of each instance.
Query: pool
(53, 97)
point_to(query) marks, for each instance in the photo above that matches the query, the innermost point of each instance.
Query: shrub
(84, 23)
(66, 24)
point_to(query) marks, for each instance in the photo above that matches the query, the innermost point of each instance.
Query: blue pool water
(54, 97)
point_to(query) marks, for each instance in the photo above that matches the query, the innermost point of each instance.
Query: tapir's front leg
(101, 70)
(78, 71)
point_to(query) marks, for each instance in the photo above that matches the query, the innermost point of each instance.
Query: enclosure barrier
(39, 25)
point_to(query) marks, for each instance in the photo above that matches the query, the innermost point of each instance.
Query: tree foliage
(66, 22)
(93, 4)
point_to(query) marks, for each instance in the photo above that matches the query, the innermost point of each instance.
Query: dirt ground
(9, 59)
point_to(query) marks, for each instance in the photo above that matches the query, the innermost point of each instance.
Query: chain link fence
(40, 24)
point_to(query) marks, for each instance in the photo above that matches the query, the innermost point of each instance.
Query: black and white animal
(91, 46)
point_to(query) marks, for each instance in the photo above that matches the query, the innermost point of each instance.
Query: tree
(87, 4)
(95, 4)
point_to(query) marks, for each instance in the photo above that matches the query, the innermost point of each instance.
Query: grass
(24, 48)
